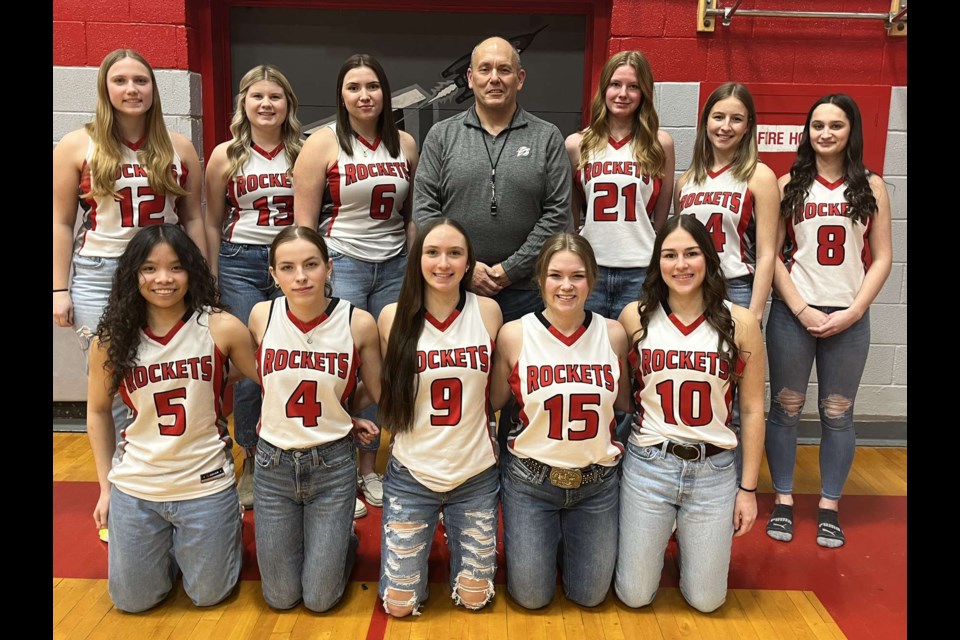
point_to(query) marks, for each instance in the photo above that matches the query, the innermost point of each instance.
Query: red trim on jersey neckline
(165, 339)
(135, 146)
(442, 326)
(269, 155)
(310, 325)
(572, 338)
(830, 185)
(619, 144)
(369, 145)
(685, 329)
(719, 171)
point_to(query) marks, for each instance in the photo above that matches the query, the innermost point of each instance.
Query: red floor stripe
(862, 585)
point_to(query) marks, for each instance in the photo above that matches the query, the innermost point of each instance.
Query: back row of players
(687, 347)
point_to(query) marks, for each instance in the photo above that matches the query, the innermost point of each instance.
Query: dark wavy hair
(289, 234)
(655, 291)
(863, 204)
(386, 127)
(398, 376)
(126, 311)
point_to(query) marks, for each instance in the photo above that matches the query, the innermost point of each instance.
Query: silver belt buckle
(566, 478)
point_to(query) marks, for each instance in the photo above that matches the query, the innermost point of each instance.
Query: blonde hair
(238, 151)
(575, 244)
(647, 150)
(156, 152)
(747, 155)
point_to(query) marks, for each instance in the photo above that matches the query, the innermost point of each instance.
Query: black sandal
(780, 524)
(829, 533)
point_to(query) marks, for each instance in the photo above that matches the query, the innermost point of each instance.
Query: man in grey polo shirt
(503, 174)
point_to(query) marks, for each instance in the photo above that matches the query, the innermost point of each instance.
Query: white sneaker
(372, 487)
(360, 509)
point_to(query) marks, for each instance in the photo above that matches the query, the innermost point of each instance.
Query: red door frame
(215, 42)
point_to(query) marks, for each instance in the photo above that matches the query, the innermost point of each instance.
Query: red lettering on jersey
(349, 174)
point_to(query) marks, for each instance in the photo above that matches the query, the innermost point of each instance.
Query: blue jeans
(657, 489)
(538, 517)
(370, 286)
(739, 291)
(304, 523)
(470, 517)
(840, 359)
(244, 281)
(616, 288)
(150, 540)
(90, 290)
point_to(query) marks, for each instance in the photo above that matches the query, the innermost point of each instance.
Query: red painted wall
(784, 50)
(84, 31)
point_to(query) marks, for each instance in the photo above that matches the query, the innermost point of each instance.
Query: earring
(276, 284)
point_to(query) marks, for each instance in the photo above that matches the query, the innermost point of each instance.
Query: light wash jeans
(614, 289)
(244, 281)
(840, 359)
(370, 286)
(470, 518)
(657, 489)
(150, 541)
(90, 290)
(539, 518)
(304, 523)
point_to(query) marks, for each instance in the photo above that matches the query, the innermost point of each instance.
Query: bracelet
(797, 314)
(60, 290)
(742, 488)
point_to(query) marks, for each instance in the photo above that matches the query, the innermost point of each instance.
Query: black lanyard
(493, 165)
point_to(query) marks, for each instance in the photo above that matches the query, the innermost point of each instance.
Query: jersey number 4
(579, 411)
(303, 403)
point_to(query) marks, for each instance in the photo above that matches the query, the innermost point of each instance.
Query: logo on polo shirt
(523, 152)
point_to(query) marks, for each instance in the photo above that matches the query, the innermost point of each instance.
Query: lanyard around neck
(493, 164)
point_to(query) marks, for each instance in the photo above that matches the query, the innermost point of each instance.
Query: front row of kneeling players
(164, 345)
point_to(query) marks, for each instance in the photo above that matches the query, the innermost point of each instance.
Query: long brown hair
(386, 127)
(156, 152)
(647, 150)
(399, 381)
(747, 155)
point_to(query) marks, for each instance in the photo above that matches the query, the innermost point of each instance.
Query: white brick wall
(883, 391)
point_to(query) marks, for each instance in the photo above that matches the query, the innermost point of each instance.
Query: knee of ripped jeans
(85, 337)
(397, 605)
(471, 592)
(836, 408)
(790, 402)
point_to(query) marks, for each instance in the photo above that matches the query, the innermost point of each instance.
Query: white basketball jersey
(826, 250)
(725, 207)
(308, 371)
(177, 447)
(108, 224)
(565, 388)
(451, 440)
(681, 386)
(365, 193)
(260, 199)
(620, 202)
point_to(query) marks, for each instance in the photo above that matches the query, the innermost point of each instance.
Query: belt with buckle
(565, 478)
(691, 452)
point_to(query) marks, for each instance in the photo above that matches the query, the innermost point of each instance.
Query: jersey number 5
(164, 403)
(579, 412)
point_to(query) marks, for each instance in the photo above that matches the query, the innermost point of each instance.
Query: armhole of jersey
(269, 318)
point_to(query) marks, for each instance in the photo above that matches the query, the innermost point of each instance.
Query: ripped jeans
(89, 290)
(410, 515)
(840, 359)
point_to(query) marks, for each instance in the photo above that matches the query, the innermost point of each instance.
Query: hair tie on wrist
(742, 488)
(60, 290)
(797, 314)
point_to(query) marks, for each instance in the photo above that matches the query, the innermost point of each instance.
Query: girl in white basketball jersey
(167, 490)
(359, 172)
(690, 348)
(623, 179)
(313, 348)
(126, 172)
(249, 200)
(734, 195)
(566, 367)
(438, 356)
(837, 254)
